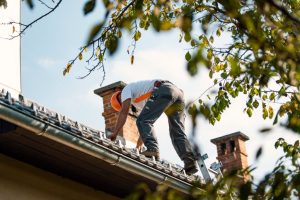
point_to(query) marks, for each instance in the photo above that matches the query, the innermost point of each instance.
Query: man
(152, 98)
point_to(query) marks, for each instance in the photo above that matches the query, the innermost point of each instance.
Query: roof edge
(57, 134)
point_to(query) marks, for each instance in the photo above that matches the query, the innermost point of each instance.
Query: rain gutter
(45, 129)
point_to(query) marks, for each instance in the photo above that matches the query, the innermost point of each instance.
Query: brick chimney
(232, 153)
(129, 132)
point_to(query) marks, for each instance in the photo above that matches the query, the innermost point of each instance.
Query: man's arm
(121, 118)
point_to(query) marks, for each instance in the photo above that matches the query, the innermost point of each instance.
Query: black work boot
(150, 152)
(190, 166)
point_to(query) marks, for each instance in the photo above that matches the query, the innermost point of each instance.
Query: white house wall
(10, 77)
(20, 181)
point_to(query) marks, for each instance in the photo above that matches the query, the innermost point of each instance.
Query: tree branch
(284, 11)
(43, 3)
(26, 26)
(98, 40)
(111, 25)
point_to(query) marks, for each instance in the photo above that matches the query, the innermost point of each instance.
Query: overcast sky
(52, 42)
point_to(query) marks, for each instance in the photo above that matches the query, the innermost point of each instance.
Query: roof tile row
(98, 138)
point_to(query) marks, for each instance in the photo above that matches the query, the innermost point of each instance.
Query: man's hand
(113, 137)
(139, 147)
(139, 144)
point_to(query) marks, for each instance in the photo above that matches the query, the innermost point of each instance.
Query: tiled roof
(95, 137)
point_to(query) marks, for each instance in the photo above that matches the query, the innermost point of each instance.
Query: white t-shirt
(137, 89)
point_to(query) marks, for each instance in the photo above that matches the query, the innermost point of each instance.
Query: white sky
(51, 43)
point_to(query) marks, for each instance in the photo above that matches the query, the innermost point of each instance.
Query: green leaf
(219, 32)
(235, 67)
(272, 96)
(137, 35)
(193, 43)
(258, 153)
(209, 54)
(100, 57)
(265, 113)
(67, 69)
(282, 91)
(219, 67)
(180, 38)
(224, 75)
(80, 56)
(187, 37)
(89, 6)
(276, 118)
(271, 112)
(255, 104)
(155, 22)
(205, 41)
(249, 112)
(119, 34)
(94, 32)
(218, 117)
(210, 74)
(264, 97)
(30, 4)
(290, 149)
(142, 23)
(112, 44)
(97, 51)
(265, 130)
(276, 144)
(192, 68)
(188, 56)
(166, 25)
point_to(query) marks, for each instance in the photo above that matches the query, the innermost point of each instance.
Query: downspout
(59, 135)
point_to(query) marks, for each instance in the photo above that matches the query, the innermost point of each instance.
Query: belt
(145, 96)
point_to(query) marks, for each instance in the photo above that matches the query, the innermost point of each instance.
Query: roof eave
(57, 134)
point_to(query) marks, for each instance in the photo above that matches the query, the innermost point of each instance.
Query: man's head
(115, 101)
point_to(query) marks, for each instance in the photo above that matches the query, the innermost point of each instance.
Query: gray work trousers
(168, 99)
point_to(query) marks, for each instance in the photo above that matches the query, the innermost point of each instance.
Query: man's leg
(176, 118)
(180, 141)
(176, 127)
(153, 109)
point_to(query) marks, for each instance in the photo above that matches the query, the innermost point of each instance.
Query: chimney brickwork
(129, 131)
(232, 153)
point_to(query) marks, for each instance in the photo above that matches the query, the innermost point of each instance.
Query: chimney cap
(110, 87)
(239, 134)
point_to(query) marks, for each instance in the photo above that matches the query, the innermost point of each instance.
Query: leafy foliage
(30, 4)
(261, 60)
(283, 182)
(3, 3)
(89, 7)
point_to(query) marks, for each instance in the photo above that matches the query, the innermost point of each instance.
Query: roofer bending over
(152, 98)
